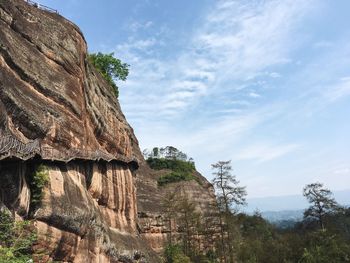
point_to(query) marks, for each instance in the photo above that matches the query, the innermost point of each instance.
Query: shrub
(38, 181)
(174, 254)
(180, 170)
(171, 164)
(110, 67)
(16, 239)
(174, 177)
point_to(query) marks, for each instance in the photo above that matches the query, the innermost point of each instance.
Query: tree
(321, 200)
(325, 247)
(169, 205)
(229, 194)
(16, 239)
(110, 67)
(155, 152)
(188, 221)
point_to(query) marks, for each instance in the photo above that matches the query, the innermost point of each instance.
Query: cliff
(57, 111)
(152, 223)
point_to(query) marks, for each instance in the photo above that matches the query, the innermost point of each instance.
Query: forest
(230, 235)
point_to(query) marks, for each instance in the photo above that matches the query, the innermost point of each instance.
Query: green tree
(169, 206)
(325, 247)
(188, 220)
(229, 196)
(16, 239)
(321, 200)
(174, 254)
(110, 67)
(39, 179)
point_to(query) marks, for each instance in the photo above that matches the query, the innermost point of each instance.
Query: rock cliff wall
(87, 212)
(56, 110)
(49, 92)
(152, 223)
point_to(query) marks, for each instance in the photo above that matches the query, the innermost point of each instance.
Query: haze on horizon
(263, 83)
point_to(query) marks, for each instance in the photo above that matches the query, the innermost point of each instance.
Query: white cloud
(136, 25)
(323, 44)
(254, 95)
(340, 90)
(265, 152)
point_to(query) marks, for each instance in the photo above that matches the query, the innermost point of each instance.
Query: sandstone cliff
(57, 111)
(152, 223)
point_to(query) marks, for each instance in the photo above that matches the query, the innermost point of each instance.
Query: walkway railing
(12, 147)
(43, 7)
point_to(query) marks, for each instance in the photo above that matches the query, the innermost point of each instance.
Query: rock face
(87, 213)
(57, 111)
(50, 93)
(152, 224)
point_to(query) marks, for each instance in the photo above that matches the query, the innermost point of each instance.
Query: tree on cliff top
(110, 67)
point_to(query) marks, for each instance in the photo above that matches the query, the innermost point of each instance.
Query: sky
(264, 83)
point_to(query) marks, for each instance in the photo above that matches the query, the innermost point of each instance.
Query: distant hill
(277, 216)
(289, 202)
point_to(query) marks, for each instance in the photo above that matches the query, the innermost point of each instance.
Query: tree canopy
(110, 67)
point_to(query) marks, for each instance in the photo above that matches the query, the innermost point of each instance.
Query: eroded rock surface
(49, 91)
(57, 110)
(87, 212)
(152, 223)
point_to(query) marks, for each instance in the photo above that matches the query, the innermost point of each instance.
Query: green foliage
(16, 239)
(325, 247)
(174, 177)
(171, 164)
(168, 152)
(180, 170)
(321, 202)
(174, 254)
(110, 67)
(38, 181)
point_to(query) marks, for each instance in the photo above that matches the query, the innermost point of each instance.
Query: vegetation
(170, 158)
(16, 239)
(230, 236)
(171, 164)
(110, 67)
(229, 197)
(321, 200)
(174, 177)
(38, 181)
(174, 254)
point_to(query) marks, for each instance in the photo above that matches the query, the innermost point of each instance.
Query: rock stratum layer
(56, 110)
(50, 93)
(153, 226)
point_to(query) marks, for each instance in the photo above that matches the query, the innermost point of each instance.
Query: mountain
(289, 202)
(61, 123)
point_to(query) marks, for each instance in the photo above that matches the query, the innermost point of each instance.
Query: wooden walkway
(12, 147)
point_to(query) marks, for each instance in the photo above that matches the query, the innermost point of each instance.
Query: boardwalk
(12, 147)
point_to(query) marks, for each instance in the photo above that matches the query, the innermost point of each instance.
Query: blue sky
(265, 84)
